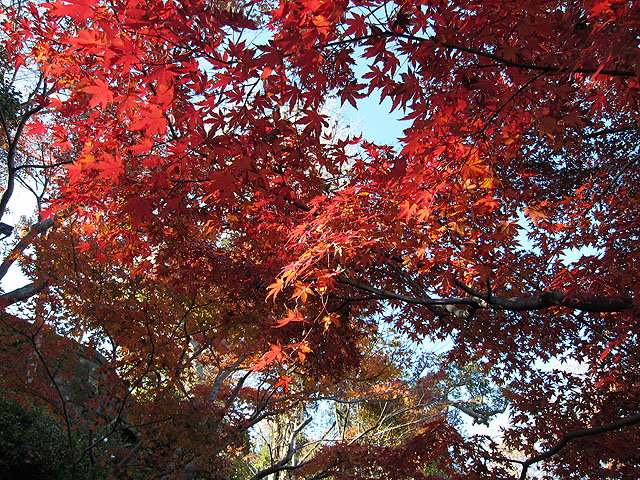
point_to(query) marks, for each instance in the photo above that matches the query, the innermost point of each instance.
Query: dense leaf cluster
(239, 266)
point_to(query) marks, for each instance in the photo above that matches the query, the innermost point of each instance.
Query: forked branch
(283, 464)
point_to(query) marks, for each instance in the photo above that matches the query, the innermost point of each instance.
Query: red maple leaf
(101, 93)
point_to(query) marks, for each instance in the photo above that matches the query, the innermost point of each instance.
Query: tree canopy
(230, 266)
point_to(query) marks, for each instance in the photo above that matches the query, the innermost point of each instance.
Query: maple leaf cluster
(236, 262)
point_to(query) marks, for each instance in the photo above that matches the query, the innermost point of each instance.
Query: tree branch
(407, 299)
(481, 417)
(550, 298)
(282, 464)
(568, 437)
(11, 154)
(484, 54)
(532, 66)
(223, 373)
(50, 165)
(608, 131)
(21, 294)
(16, 251)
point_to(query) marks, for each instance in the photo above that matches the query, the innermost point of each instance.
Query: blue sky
(378, 124)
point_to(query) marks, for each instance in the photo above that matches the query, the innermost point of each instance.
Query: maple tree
(205, 179)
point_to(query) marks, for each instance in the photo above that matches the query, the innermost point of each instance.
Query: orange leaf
(274, 354)
(302, 292)
(302, 351)
(331, 319)
(535, 215)
(275, 288)
(284, 383)
(292, 316)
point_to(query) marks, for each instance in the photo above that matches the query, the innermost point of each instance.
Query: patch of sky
(567, 256)
(379, 123)
(572, 255)
(22, 205)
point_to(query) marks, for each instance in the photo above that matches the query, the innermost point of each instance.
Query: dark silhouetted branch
(568, 437)
(476, 300)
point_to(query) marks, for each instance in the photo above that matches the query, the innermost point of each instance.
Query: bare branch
(282, 464)
(46, 165)
(482, 417)
(615, 179)
(15, 253)
(11, 154)
(404, 298)
(586, 302)
(222, 375)
(615, 72)
(21, 294)
(609, 131)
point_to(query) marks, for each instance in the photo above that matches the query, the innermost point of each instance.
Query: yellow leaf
(330, 319)
(301, 292)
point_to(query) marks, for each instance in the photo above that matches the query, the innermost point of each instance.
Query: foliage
(32, 443)
(8, 102)
(201, 177)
